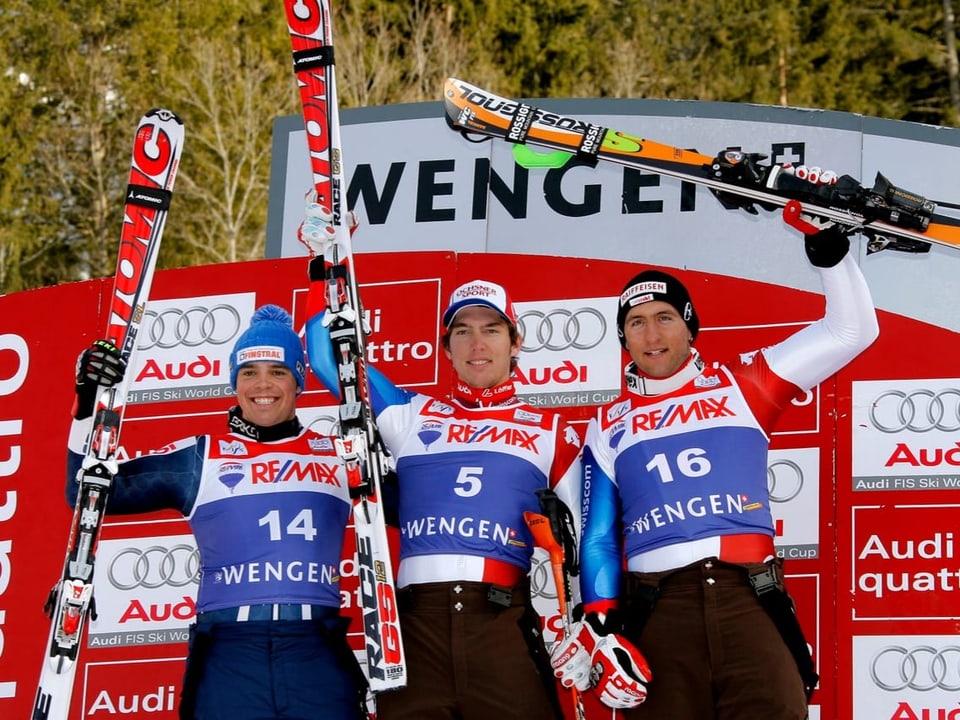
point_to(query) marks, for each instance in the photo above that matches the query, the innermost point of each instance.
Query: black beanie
(656, 285)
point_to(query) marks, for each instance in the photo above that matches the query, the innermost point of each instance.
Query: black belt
(462, 597)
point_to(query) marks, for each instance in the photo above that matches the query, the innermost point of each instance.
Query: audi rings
(918, 411)
(191, 327)
(921, 668)
(153, 567)
(784, 480)
(562, 329)
(324, 425)
(541, 579)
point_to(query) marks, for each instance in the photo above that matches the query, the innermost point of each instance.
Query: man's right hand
(622, 673)
(100, 365)
(591, 656)
(317, 232)
(825, 242)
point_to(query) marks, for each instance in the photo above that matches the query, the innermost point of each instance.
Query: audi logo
(784, 480)
(562, 329)
(921, 668)
(919, 411)
(155, 566)
(541, 579)
(324, 425)
(191, 327)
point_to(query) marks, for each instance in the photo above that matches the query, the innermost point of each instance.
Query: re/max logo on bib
(698, 410)
(293, 471)
(514, 437)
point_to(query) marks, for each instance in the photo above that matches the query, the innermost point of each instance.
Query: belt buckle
(764, 581)
(500, 595)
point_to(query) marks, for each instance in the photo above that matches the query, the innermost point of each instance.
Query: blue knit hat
(270, 338)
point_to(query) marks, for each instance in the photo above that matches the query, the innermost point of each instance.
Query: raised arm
(849, 324)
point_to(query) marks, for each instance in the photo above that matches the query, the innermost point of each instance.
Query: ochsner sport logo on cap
(260, 352)
(479, 289)
(480, 292)
(644, 290)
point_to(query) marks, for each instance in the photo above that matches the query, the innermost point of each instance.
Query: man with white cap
(467, 467)
(677, 471)
(268, 641)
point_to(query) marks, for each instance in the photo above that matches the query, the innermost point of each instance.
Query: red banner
(859, 472)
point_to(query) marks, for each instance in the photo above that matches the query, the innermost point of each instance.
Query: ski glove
(317, 232)
(733, 165)
(100, 365)
(825, 242)
(591, 656)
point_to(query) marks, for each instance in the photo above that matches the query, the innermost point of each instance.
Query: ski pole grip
(793, 216)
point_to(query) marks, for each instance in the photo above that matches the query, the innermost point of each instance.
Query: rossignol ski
(359, 444)
(156, 156)
(890, 217)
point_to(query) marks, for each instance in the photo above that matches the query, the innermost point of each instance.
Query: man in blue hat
(269, 642)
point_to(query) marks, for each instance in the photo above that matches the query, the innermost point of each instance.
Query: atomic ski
(153, 168)
(359, 444)
(890, 217)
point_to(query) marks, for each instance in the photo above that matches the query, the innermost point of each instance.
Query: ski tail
(889, 216)
(156, 157)
(359, 445)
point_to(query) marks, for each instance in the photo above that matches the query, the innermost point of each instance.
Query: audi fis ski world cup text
(569, 355)
(906, 435)
(183, 347)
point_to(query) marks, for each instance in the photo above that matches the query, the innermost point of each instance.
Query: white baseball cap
(484, 294)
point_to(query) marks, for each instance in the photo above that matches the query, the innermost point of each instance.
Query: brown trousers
(467, 658)
(714, 652)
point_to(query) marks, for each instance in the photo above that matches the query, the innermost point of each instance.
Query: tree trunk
(953, 71)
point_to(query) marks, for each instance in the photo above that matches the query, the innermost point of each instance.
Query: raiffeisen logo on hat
(650, 286)
(260, 352)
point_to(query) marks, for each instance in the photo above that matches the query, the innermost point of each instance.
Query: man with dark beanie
(675, 481)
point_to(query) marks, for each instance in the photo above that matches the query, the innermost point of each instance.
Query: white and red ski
(156, 156)
(359, 444)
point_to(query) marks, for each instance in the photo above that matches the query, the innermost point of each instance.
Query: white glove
(318, 232)
(570, 657)
(586, 658)
(813, 175)
(622, 673)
